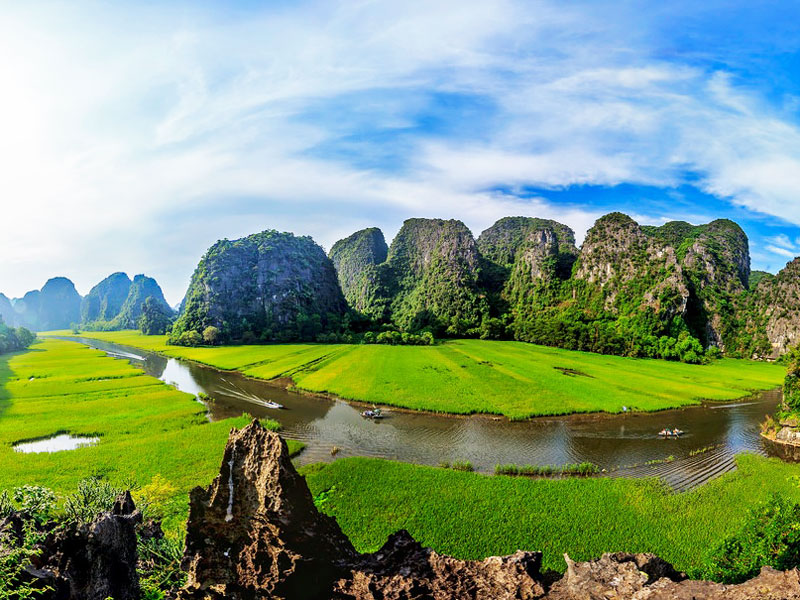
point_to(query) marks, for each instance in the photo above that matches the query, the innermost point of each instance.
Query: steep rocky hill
(104, 301)
(356, 259)
(667, 291)
(268, 286)
(56, 306)
(117, 302)
(432, 275)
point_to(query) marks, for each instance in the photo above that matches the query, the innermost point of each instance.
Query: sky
(133, 135)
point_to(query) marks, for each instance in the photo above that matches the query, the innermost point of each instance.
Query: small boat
(670, 433)
(271, 404)
(375, 413)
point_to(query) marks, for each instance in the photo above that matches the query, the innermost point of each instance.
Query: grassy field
(151, 435)
(515, 379)
(472, 516)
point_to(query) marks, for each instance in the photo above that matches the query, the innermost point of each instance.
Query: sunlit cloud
(134, 136)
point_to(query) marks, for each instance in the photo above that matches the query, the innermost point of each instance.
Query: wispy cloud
(136, 135)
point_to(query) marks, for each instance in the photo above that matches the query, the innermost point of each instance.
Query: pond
(621, 444)
(55, 443)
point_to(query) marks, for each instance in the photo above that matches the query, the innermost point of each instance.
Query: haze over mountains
(114, 303)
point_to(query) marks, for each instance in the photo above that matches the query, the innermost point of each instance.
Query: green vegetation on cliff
(468, 376)
(669, 292)
(583, 517)
(356, 260)
(118, 303)
(268, 286)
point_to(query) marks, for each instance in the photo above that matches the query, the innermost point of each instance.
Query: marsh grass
(471, 516)
(514, 379)
(149, 433)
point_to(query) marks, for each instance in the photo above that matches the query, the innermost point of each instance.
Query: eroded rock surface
(255, 533)
(95, 561)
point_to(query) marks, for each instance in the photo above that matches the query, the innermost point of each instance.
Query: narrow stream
(622, 443)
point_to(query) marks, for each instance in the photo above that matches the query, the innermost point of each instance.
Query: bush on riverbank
(582, 469)
(770, 536)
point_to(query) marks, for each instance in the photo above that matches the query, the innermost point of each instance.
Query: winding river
(621, 444)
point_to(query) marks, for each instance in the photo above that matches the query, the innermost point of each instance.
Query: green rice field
(514, 379)
(472, 516)
(151, 436)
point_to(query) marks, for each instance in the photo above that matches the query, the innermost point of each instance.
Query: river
(621, 444)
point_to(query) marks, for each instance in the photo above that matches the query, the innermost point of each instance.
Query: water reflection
(56, 443)
(612, 442)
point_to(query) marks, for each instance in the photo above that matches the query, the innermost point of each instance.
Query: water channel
(620, 444)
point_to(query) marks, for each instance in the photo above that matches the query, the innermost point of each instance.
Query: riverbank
(513, 379)
(151, 436)
(372, 498)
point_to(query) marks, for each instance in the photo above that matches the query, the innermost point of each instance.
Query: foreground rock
(94, 561)
(255, 533)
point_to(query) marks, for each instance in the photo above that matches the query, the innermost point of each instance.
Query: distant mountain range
(114, 303)
(678, 291)
(673, 291)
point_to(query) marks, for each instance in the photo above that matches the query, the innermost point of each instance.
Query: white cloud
(134, 137)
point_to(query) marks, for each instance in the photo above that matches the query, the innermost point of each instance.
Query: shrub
(93, 496)
(770, 536)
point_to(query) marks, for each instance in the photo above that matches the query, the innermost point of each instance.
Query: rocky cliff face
(433, 269)
(521, 255)
(255, 533)
(56, 306)
(357, 259)
(141, 289)
(776, 309)
(270, 286)
(104, 301)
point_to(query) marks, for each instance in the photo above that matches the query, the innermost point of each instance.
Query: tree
(211, 335)
(155, 320)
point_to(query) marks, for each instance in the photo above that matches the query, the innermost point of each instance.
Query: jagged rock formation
(521, 256)
(104, 301)
(117, 302)
(141, 289)
(270, 286)
(356, 259)
(434, 273)
(91, 562)
(255, 533)
(56, 306)
(777, 309)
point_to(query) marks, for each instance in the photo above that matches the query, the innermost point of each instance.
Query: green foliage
(156, 317)
(160, 572)
(791, 384)
(584, 469)
(396, 338)
(93, 495)
(13, 339)
(472, 516)
(266, 287)
(770, 536)
(14, 557)
(36, 501)
(211, 335)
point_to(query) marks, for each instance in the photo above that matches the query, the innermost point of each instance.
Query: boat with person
(374, 413)
(668, 433)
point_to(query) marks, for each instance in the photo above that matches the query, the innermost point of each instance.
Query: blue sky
(134, 135)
